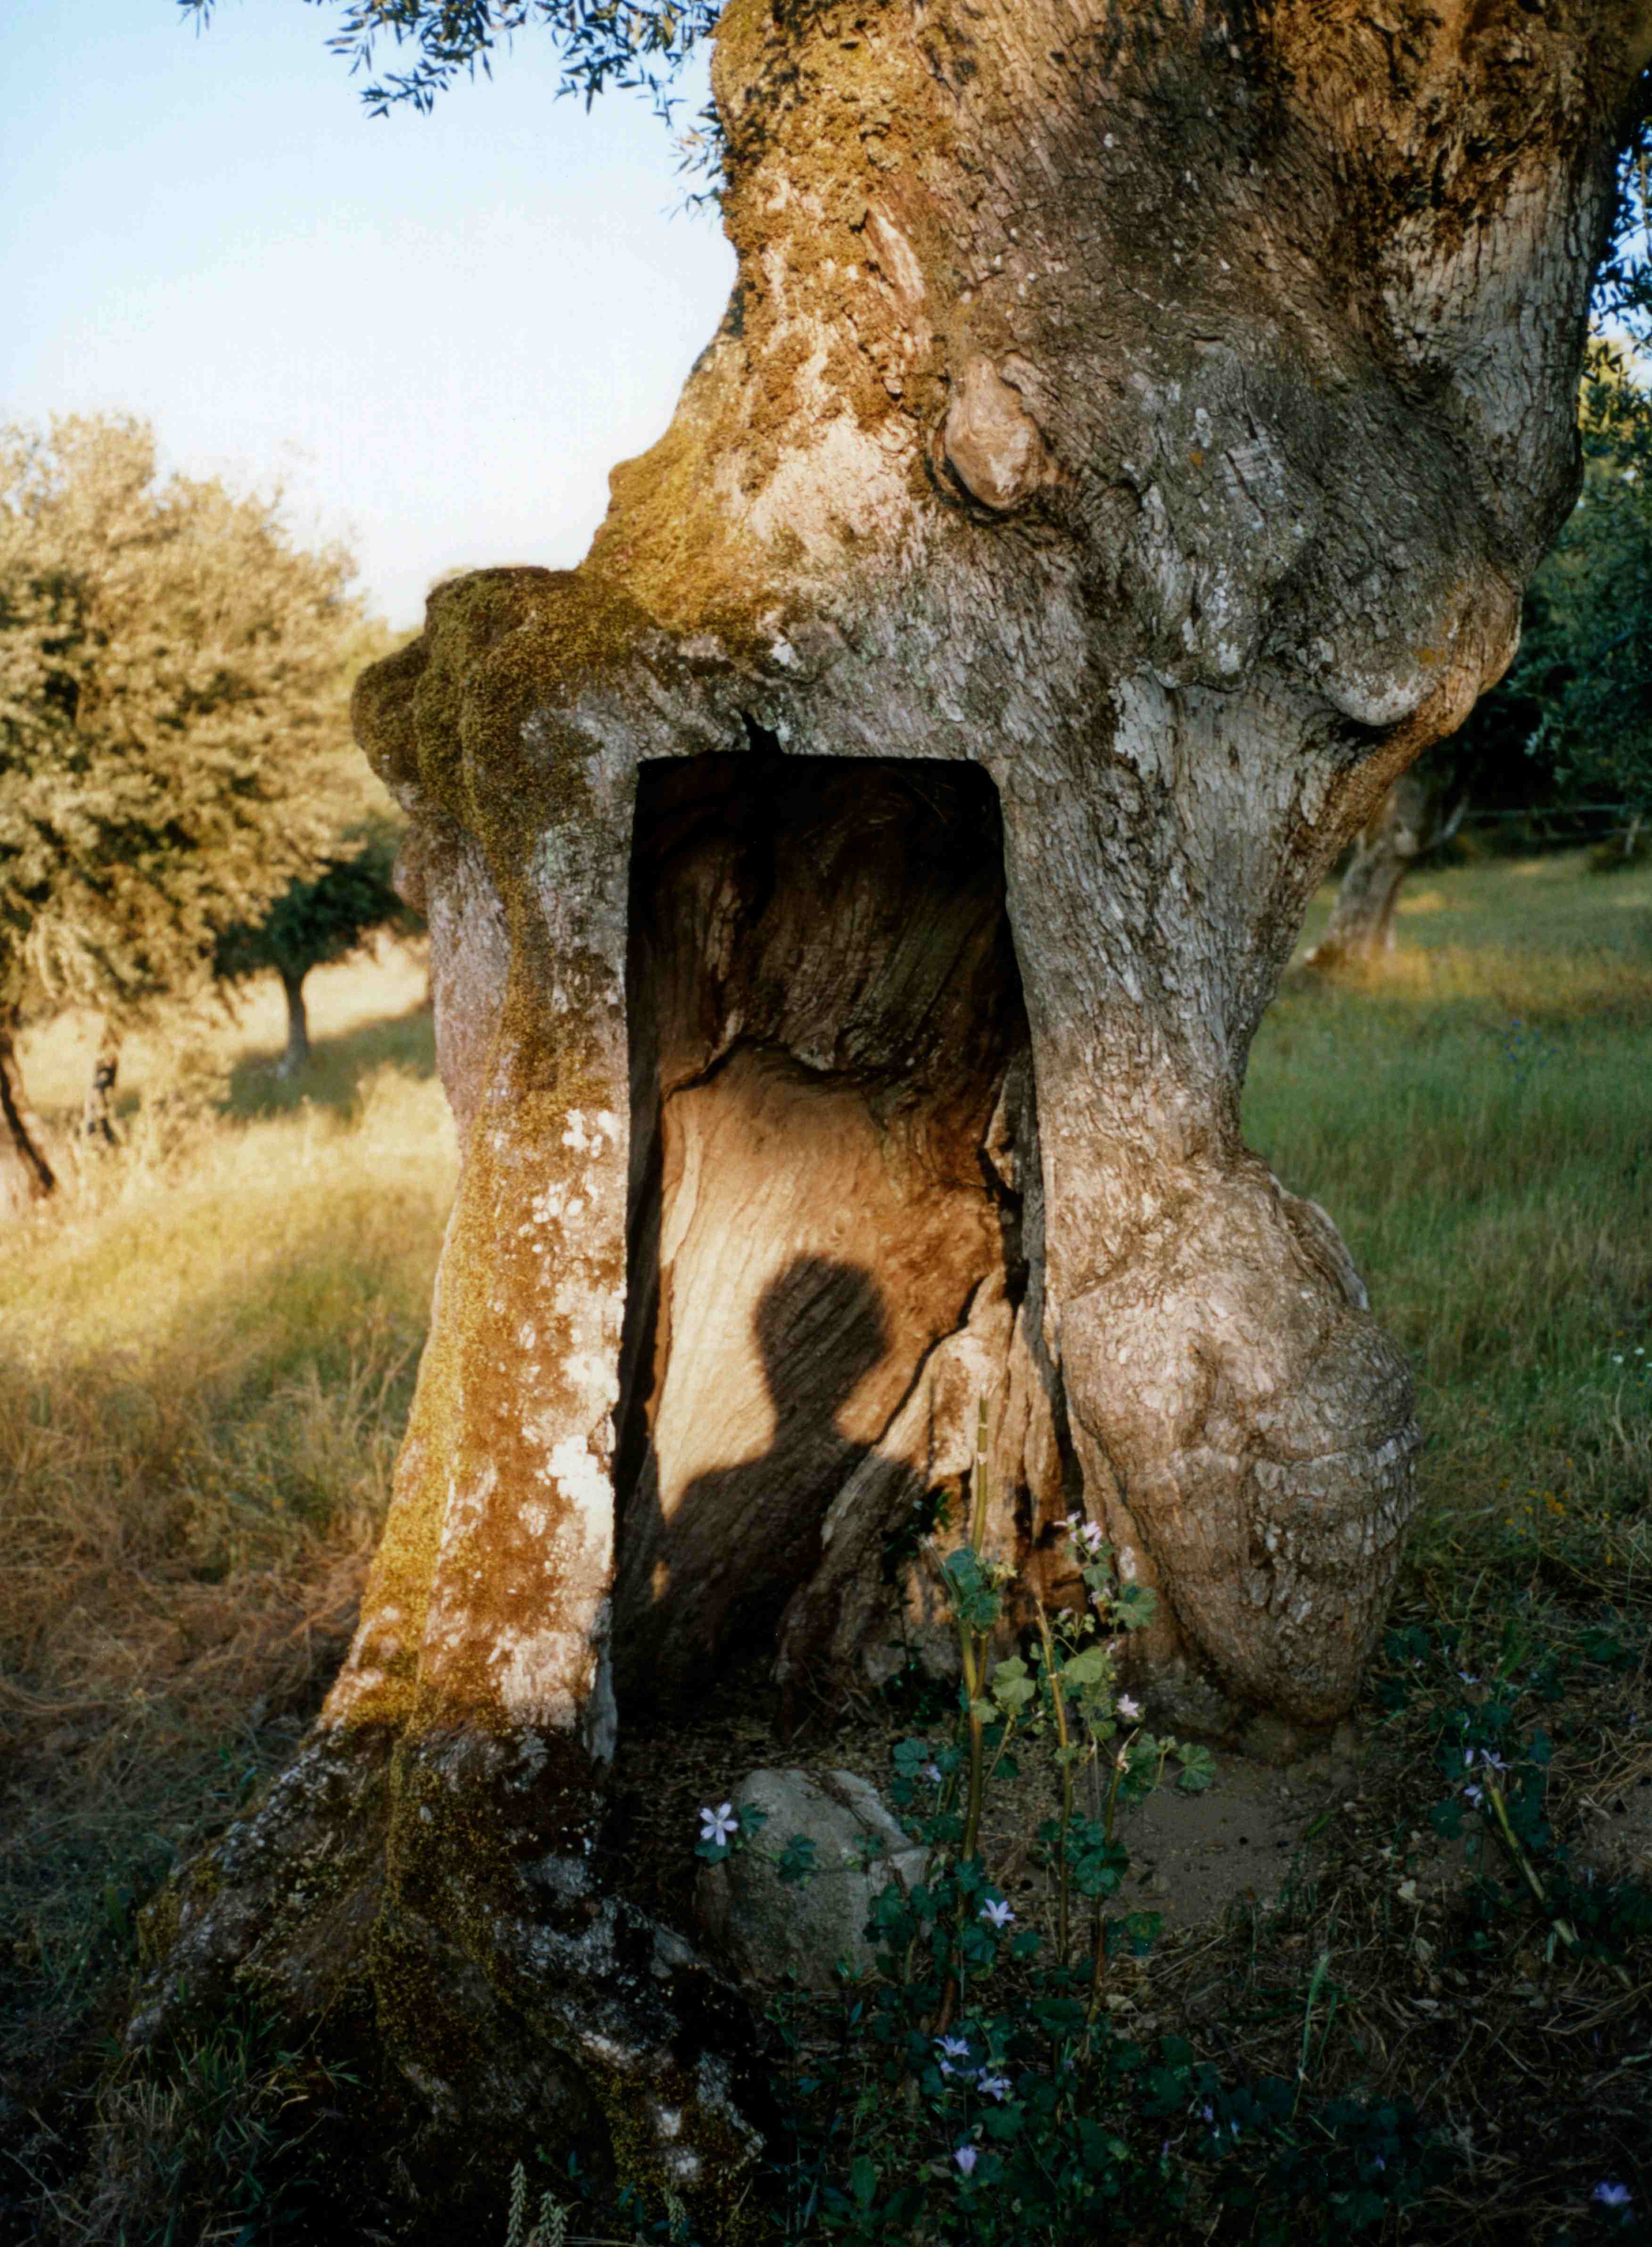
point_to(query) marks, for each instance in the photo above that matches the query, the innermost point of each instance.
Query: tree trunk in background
(296, 1054)
(97, 1118)
(26, 1177)
(1137, 422)
(1410, 820)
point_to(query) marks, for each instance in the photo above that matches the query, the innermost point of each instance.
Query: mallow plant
(978, 2091)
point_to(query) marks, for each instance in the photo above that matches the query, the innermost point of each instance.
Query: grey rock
(765, 1929)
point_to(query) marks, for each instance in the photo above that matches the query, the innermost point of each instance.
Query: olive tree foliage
(639, 46)
(1586, 664)
(174, 671)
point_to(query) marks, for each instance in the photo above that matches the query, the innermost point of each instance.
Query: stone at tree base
(768, 1929)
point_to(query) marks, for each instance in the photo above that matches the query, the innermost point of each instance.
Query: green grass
(1477, 1116)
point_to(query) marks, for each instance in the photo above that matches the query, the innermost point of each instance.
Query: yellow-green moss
(720, 2201)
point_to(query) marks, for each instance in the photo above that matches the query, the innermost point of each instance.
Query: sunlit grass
(206, 1357)
(1477, 1114)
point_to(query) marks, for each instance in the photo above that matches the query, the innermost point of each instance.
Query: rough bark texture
(1138, 421)
(1410, 820)
(26, 1176)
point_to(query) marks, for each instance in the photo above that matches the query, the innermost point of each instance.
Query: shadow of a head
(827, 1316)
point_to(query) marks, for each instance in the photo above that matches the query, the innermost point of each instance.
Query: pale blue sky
(439, 333)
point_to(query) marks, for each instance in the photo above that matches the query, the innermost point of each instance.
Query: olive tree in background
(173, 676)
(324, 917)
(1571, 720)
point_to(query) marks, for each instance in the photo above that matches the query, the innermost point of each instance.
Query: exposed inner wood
(825, 1011)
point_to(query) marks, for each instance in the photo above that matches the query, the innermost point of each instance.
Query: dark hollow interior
(823, 1004)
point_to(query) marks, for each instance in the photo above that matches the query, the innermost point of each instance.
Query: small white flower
(954, 2047)
(992, 2086)
(967, 2157)
(998, 1912)
(932, 1773)
(1130, 1710)
(1476, 1795)
(718, 1825)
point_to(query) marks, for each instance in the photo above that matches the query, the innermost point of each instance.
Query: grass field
(207, 1354)
(206, 1358)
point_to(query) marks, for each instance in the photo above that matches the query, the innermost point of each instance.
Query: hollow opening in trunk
(832, 1131)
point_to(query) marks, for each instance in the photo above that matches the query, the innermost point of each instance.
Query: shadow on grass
(336, 1065)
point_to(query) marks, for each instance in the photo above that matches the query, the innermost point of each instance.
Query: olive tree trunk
(97, 1111)
(26, 1176)
(1411, 820)
(853, 893)
(296, 1054)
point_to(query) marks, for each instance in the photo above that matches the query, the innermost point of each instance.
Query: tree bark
(296, 1055)
(1410, 820)
(1138, 421)
(26, 1177)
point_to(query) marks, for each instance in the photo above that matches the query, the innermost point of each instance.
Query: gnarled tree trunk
(1124, 452)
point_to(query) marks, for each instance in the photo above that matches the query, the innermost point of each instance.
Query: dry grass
(206, 1357)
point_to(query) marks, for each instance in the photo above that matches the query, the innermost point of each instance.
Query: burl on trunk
(853, 893)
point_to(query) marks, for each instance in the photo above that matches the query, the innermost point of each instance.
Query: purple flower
(1612, 2195)
(718, 1825)
(1476, 1795)
(997, 1912)
(932, 1773)
(1128, 1709)
(967, 2157)
(992, 2086)
(954, 2047)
